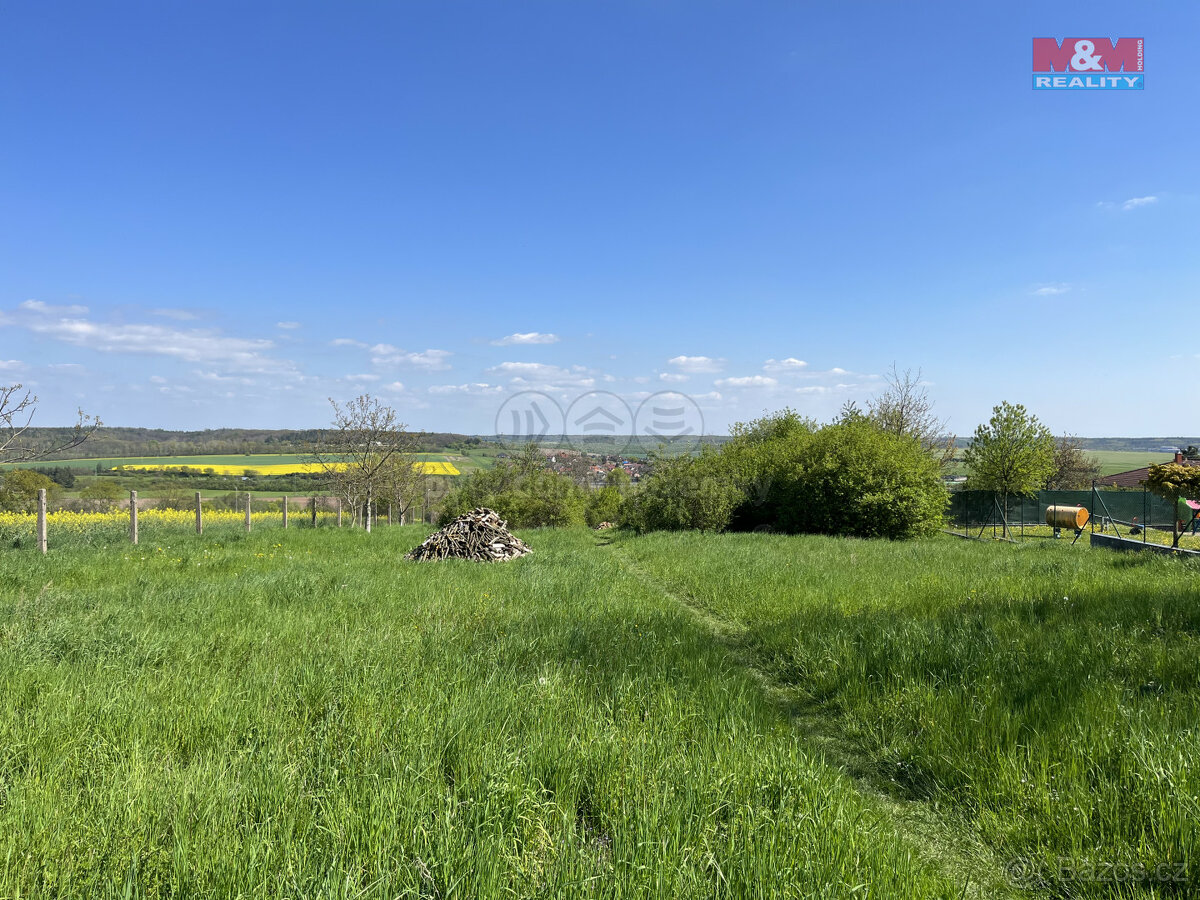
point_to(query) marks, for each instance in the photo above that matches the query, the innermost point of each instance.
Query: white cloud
(395, 387)
(218, 378)
(1135, 202)
(287, 326)
(543, 374)
(348, 342)
(476, 388)
(529, 337)
(747, 381)
(11, 365)
(179, 315)
(791, 364)
(673, 377)
(1051, 290)
(192, 345)
(696, 364)
(387, 355)
(157, 379)
(38, 306)
(360, 378)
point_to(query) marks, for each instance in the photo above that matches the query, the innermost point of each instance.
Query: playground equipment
(1073, 517)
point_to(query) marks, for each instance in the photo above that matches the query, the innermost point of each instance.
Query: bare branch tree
(17, 408)
(1073, 469)
(403, 482)
(906, 408)
(361, 451)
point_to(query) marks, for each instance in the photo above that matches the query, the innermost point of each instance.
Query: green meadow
(306, 714)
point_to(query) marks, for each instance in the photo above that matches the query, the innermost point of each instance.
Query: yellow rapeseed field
(429, 468)
(79, 522)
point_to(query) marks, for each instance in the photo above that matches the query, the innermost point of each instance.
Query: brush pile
(480, 535)
(604, 526)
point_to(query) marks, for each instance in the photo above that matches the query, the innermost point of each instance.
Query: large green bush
(852, 478)
(786, 473)
(685, 492)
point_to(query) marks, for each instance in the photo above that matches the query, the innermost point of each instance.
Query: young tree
(1174, 482)
(1073, 469)
(403, 482)
(19, 489)
(905, 408)
(101, 495)
(1012, 454)
(357, 454)
(17, 408)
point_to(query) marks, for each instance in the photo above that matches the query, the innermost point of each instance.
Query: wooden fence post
(41, 520)
(285, 510)
(312, 503)
(339, 509)
(199, 516)
(391, 521)
(133, 535)
(247, 512)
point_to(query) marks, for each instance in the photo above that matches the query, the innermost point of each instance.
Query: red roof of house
(1134, 477)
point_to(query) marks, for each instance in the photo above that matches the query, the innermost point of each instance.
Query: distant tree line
(150, 442)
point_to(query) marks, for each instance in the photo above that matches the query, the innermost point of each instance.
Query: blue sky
(221, 214)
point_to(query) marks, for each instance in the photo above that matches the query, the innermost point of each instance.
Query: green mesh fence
(980, 508)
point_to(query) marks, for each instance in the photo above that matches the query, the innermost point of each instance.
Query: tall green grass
(305, 714)
(1046, 696)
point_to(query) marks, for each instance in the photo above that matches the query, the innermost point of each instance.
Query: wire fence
(131, 522)
(1137, 514)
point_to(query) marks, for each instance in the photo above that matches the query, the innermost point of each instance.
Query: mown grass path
(1046, 698)
(305, 714)
(948, 843)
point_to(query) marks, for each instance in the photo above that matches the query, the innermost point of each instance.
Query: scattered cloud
(791, 364)
(543, 374)
(1051, 290)
(348, 342)
(157, 379)
(358, 379)
(529, 337)
(476, 388)
(68, 324)
(673, 377)
(179, 315)
(395, 387)
(387, 355)
(287, 326)
(11, 365)
(696, 365)
(38, 306)
(747, 381)
(1135, 202)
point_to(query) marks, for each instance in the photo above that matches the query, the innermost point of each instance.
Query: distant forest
(114, 442)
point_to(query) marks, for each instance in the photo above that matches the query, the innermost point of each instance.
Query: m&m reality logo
(1088, 64)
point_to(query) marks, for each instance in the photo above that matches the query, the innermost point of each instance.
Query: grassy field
(1114, 461)
(1111, 461)
(300, 713)
(1046, 697)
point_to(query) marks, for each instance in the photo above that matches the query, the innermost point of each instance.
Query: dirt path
(949, 845)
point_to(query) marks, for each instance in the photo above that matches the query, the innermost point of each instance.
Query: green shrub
(786, 473)
(851, 478)
(522, 491)
(19, 490)
(685, 492)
